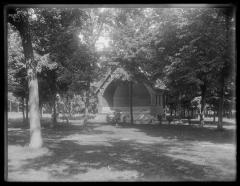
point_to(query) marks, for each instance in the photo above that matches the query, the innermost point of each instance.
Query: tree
(56, 36)
(17, 81)
(225, 71)
(95, 24)
(19, 88)
(143, 40)
(19, 17)
(203, 50)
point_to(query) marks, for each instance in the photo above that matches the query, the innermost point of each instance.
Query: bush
(170, 119)
(160, 117)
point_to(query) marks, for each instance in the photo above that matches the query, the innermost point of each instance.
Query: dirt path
(124, 153)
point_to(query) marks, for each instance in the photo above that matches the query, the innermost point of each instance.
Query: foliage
(203, 54)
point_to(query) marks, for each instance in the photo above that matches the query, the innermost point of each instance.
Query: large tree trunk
(35, 126)
(203, 103)
(130, 101)
(22, 25)
(220, 108)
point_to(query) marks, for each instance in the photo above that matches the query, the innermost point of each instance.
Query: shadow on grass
(185, 132)
(208, 121)
(73, 158)
(19, 131)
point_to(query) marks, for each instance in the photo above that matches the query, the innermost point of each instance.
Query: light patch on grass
(19, 156)
(18, 152)
(112, 154)
(69, 161)
(14, 129)
(106, 174)
(126, 134)
(186, 153)
(84, 164)
(30, 175)
(92, 151)
(130, 160)
(116, 134)
(204, 153)
(88, 139)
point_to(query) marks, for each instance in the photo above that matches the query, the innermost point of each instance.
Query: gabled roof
(101, 83)
(117, 71)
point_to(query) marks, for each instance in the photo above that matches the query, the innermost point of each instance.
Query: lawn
(103, 152)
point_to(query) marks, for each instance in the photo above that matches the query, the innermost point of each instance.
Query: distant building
(113, 95)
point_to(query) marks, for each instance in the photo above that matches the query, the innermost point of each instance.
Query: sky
(102, 42)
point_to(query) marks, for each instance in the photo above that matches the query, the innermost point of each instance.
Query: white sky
(102, 42)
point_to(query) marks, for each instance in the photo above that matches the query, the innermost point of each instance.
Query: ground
(104, 152)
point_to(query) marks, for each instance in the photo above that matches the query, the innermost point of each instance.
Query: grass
(102, 152)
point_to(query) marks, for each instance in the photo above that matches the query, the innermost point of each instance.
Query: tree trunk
(203, 102)
(10, 106)
(27, 110)
(188, 116)
(214, 117)
(35, 126)
(23, 107)
(40, 109)
(71, 109)
(23, 27)
(130, 101)
(54, 110)
(68, 106)
(17, 107)
(86, 104)
(220, 108)
(86, 108)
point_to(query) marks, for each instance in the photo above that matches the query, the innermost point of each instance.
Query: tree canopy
(190, 50)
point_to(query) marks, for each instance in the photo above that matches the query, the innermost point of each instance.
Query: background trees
(202, 55)
(190, 49)
(19, 18)
(31, 22)
(17, 81)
